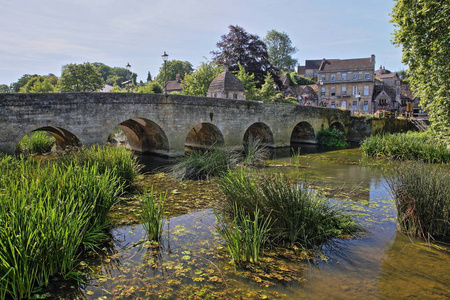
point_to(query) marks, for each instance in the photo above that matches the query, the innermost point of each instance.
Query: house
(386, 77)
(394, 98)
(347, 83)
(174, 85)
(227, 86)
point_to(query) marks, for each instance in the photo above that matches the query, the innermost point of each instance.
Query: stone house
(227, 86)
(174, 85)
(347, 84)
(394, 98)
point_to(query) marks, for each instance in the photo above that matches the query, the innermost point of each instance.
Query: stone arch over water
(261, 132)
(145, 136)
(303, 132)
(63, 137)
(338, 126)
(204, 135)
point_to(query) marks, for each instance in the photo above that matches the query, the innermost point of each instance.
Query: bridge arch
(303, 132)
(63, 137)
(338, 126)
(145, 136)
(204, 135)
(261, 132)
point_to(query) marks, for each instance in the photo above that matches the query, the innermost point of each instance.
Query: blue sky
(39, 37)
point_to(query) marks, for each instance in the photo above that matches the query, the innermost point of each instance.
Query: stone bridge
(165, 124)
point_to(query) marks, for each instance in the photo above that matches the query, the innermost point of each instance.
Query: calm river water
(191, 264)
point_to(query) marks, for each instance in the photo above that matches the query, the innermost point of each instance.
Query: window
(366, 105)
(344, 104)
(333, 77)
(333, 104)
(403, 102)
(344, 76)
(366, 76)
(382, 102)
(333, 91)
(355, 76)
(343, 90)
(355, 90)
(366, 90)
(322, 92)
(322, 77)
(355, 105)
(235, 96)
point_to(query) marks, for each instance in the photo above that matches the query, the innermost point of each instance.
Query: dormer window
(333, 77)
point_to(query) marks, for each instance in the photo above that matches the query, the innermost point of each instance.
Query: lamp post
(128, 66)
(165, 56)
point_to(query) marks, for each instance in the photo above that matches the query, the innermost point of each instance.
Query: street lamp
(128, 66)
(165, 56)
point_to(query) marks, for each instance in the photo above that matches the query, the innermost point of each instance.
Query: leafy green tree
(151, 88)
(104, 70)
(249, 83)
(80, 78)
(173, 68)
(268, 91)
(39, 84)
(280, 49)
(249, 50)
(4, 88)
(15, 87)
(423, 32)
(197, 83)
(295, 79)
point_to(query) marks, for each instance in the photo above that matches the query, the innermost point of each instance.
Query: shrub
(422, 196)
(332, 138)
(37, 142)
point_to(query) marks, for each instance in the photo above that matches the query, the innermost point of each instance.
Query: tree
(149, 77)
(280, 49)
(249, 83)
(423, 32)
(151, 88)
(174, 67)
(80, 78)
(4, 88)
(15, 87)
(268, 91)
(38, 84)
(197, 83)
(247, 49)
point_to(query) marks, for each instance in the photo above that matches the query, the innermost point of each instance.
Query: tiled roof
(173, 85)
(301, 70)
(406, 93)
(389, 89)
(226, 82)
(347, 64)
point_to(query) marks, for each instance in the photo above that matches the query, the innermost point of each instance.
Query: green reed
(295, 157)
(244, 235)
(407, 146)
(422, 196)
(49, 214)
(299, 215)
(152, 214)
(37, 142)
(254, 152)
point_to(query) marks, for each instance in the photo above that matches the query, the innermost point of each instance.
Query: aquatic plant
(49, 214)
(407, 146)
(244, 235)
(152, 214)
(422, 196)
(254, 152)
(295, 157)
(332, 138)
(299, 215)
(108, 159)
(37, 142)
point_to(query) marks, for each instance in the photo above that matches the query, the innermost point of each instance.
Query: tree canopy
(423, 32)
(174, 67)
(249, 83)
(280, 49)
(197, 83)
(249, 50)
(80, 78)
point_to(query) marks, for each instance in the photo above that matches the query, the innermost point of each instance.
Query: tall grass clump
(295, 157)
(203, 164)
(254, 152)
(108, 158)
(152, 214)
(332, 138)
(37, 142)
(49, 214)
(299, 215)
(422, 196)
(407, 146)
(244, 235)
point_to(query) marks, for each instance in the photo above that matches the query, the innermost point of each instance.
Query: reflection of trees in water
(412, 269)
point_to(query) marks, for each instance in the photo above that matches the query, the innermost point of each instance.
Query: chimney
(178, 78)
(372, 58)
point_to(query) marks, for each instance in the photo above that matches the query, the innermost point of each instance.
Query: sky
(39, 37)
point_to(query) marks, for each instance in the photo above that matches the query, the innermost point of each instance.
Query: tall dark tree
(238, 46)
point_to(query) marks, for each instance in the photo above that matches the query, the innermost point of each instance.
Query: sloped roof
(389, 89)
(347, 64)
(301, 70)
(173, 85)
(226, 82)
(406, 93)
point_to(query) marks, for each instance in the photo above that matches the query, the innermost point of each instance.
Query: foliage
(249, 83)
(152, 214)
(332, 138)
(423, 32)
(174, 67)
(268, 92)
(295, 79)
(299, 215)
(4, 88)
(151, 88)
(249, 50)
(422, 196)
(407, 146)
(244, 235)
(255, 152)
(38, 84)
(80, 78)
(22, 81)
(37, 142)
(49, 214)
(280, 49)
(116, 75)
(197, 83)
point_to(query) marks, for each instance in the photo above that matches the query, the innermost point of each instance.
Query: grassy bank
(50, 213)
(407, 146)
(422, 196)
